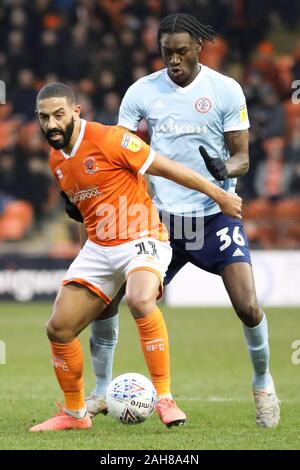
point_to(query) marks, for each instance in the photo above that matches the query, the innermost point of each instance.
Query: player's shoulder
(94, 129)
(99, 135)
(112, 136)
(220, 79)
(118, 139)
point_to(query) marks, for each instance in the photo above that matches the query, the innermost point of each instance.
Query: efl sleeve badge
(131, 142)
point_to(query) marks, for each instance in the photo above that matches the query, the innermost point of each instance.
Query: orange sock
(67, 360)
(155, 345)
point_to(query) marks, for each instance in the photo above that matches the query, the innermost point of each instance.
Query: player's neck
(77, 126)
(191, 78)
(193, 75)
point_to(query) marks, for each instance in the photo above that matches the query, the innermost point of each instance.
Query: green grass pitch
(211, 381)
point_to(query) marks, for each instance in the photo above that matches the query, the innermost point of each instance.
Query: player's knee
(57, 333)
(140, 304)
(250, 314)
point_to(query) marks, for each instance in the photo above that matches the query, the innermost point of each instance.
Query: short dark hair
(56, 90)
(185, 23)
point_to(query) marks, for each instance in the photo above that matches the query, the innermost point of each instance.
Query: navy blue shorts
(222, 241)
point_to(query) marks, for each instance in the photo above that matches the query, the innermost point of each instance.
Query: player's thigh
(142, 286)
(225, 242)
(112, 309)
(93, 269)
(176, 228)
(145, 271)
(147, 254)
(179, 259)
(74, 308)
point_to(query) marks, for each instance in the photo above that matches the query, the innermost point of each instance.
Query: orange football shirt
(103, 177)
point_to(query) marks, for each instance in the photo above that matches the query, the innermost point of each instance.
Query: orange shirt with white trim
(103, 177)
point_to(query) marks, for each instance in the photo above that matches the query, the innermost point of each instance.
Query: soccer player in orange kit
(100, 169)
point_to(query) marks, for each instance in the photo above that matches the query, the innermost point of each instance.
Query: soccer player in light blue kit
(189, 106)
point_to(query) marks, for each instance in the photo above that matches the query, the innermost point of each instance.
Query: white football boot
(96, 404)
(267, 407)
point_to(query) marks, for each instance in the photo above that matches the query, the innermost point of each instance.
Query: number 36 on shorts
(227, 236)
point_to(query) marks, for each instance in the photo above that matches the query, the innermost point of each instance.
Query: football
(131, 398)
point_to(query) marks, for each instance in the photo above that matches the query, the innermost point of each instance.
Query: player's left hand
(230, 204)
(216, 166)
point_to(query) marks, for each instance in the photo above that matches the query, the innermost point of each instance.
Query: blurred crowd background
(100, 47)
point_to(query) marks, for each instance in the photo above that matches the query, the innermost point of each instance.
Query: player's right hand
(71, 209)
(230, 204)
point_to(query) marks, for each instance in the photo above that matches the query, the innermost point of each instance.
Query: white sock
(103, 341)
(168, 395)
(258, 346)
(78, 413)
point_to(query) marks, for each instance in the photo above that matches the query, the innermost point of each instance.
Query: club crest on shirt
(59, 174)
(203, 105)
(90, 165)
(131, 142)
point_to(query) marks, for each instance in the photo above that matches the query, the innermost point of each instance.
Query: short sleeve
(131, 152)
(131, 109)
(235, 115)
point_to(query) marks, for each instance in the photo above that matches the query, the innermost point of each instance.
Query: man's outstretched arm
(230, 204)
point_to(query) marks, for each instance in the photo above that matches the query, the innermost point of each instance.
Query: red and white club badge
(59, 174)
(90, 165)
(203, 105)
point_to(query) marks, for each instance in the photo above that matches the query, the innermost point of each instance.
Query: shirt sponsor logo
(90, 165)
(84, 194)
(172, 127)
(203, 105)
(131, 142)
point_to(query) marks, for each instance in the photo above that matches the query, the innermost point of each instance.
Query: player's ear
(199, 45)
(76, 111)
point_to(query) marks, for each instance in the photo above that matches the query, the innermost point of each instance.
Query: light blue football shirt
(179, 119)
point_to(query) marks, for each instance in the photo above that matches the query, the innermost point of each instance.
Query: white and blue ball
(131, 398)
